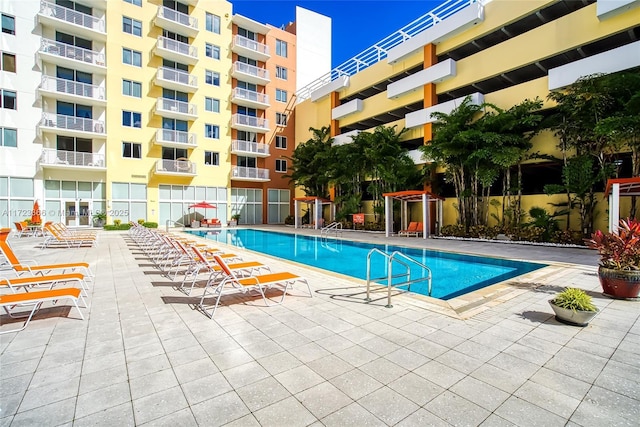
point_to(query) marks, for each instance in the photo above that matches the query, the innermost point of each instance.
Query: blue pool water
(452, 274)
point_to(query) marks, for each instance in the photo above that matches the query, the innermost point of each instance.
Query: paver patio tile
(262, 393)
(459, 361)
(480, 393)
(495, 421)
(561, 383)
(499, 378)
(427, 348)
(421, 418)
(388, 405)
(103, 398)
(197, 369)
(121, 415)
(355, 384)
(158, 405)
(323, 399)
(242, 375)
(330, 366)
(205, 388)
(576, 364)
(288, 412)
(9, 404)
(103, 378)
(335, 343)
(309, 352)
(352, 415)
(107, 361)
(383, 370)
(56, 413)
(220, 410)
(521, 412)
(152, 383)
(231, 359)
(246, 421)
(440, 374)
(13, 385)
(279, 362)
(147, 366)
(220, 345)
(54, 392)
(23, 355)
(262, 348)
(356, 355)
(298, 379)
(456, 410)
(549, 399)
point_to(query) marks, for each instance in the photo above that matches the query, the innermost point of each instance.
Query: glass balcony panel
(71, 87)
(72, 16)
(63, 158)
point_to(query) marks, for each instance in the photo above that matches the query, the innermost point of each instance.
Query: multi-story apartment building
(501, 52)
(143, 108)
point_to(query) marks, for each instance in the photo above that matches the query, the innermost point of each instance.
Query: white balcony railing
(244, 120)
(177, 47)
(176, 137)
(249, 147)
(250, 95)
(179, 17)
(71, 87)
(81, 124)
(177, 76)
(165, 104)
(68, 51)
(176, 166)
(51, 156)
(251, 70)
(249, 173)
(72, 16)
(253, 45)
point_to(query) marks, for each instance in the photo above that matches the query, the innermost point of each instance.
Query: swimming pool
(452, 274)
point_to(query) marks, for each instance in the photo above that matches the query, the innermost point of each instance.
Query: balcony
(249, 123)
(180, 167)
(253, 149)
(250, 48)
(72, 91)
(249, 98)
(250, 73)
(176, 139)
(176, 109)
(71, 21)
(176, 22)
(174, 50)
(173, 79)
(60, 159)
(71, 126)
(69, 56)
(241, 173)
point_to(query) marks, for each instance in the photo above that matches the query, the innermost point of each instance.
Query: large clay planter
(622, 284)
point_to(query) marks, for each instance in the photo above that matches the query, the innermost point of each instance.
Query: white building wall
(313, 50)
(21, 161)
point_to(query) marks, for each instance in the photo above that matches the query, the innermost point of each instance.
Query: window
(211, 131)
(135, 2)
(281, 142)
(281, 72)
(9, 100)
(247, 34)
(211, 158)
(131, 119)
(8, 24)
(132, 88)
(213, 23)
(281, 165)
(212, 51)
(131, 150)
(8, 62)
(212, 104)
(281, 48)
(281, 119)
(132, 26)
(132, 57)
(8, 137)
(212, 78)
(281, 95)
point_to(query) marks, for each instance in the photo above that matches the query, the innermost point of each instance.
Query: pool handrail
(174, 224)
(334, 226)
(394, 256)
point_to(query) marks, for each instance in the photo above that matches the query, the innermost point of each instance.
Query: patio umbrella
(203, 205)
(35, 214)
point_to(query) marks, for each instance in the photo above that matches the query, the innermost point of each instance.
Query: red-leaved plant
(621, 250)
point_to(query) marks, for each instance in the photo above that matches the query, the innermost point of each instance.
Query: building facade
(501, 52)
(143, 108)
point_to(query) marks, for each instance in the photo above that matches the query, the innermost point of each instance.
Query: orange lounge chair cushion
(38, 296)
(265, 279)
(41, 279)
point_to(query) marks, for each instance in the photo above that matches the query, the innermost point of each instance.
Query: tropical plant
(618, 250)
(310, 161)
(544, 220)
(574, 299)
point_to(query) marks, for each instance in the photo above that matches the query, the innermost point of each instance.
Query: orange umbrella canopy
(203, 205)
(35, 214)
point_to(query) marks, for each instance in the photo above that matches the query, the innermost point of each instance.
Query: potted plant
(235, 218)
(99, 219)
(619, 270)
(573, 307)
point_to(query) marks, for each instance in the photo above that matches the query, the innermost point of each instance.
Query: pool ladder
(335, 227)
(396, 257)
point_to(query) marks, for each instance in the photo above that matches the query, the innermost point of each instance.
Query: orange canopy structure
(616, 188)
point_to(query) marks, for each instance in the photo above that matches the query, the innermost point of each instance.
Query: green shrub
(117, 222)
(142, 221)
(117, 227)
(289, 220)
(453, 230)
(149, 224)
(528, 234)
(574, 299)
(567, 237)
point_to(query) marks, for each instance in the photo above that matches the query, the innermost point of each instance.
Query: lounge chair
(22, 229)
(36, 298)
(54, 238)
(202, 264)
(233, 284)
(48, 281)
(30, 266)
(413, 226)
(417, 232)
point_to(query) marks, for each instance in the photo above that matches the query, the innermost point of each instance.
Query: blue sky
(356, 24)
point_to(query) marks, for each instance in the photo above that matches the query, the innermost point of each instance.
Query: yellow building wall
(141, 170)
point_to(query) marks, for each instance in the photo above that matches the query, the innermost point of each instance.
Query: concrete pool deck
(144, 356)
